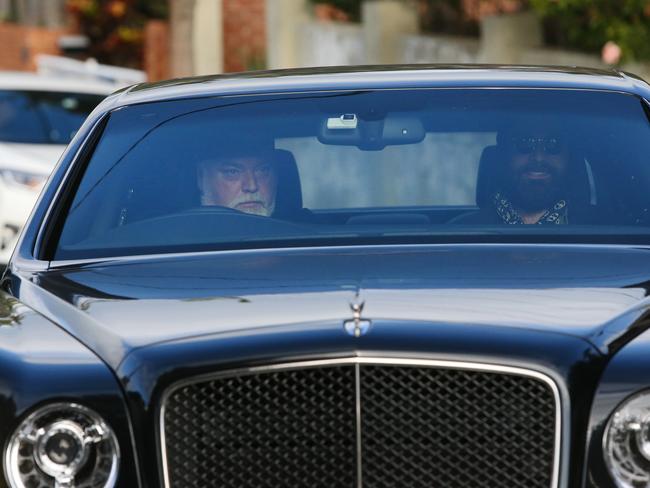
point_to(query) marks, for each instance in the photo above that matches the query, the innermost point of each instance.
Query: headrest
(490, 176)
(288, 199)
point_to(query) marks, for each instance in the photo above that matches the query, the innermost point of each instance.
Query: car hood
(592, 292)
(35, 158)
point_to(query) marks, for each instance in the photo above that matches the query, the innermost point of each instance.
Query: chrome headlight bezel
(26, 452)
(626, 442)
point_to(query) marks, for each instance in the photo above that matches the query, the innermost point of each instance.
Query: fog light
(626, 443)
(63, 445)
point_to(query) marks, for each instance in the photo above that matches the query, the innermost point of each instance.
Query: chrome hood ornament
(357, 326)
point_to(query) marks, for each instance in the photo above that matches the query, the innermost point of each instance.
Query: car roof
(384, 77)
(16, 80)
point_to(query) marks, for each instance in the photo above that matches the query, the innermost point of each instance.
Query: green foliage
(589, 24)
(574, 24)
(115, 27)
(446, 16)
(153, 9)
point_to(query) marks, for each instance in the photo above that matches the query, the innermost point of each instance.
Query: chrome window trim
(84, 145)
(357, 361)
(212, 93)
(66, 263)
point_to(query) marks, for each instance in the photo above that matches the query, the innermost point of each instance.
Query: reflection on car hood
(575, 290)
(34, 158)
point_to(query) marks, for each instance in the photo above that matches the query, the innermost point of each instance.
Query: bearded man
(246, 182)
(533, 181)
(534, 190)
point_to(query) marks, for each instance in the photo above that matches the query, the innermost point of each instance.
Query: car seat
(288, 200)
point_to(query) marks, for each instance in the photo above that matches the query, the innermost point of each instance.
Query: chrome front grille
(372, 423)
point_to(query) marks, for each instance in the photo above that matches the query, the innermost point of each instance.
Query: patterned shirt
(557, 214)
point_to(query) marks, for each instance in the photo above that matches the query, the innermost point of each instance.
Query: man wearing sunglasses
(532, 178)
(534, 189)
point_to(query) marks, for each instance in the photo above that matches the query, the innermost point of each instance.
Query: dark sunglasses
(528, 145)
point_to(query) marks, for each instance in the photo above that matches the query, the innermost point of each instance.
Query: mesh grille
(420, 427)
(284, 429)
(425, 427)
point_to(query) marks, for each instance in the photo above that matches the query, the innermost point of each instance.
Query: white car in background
(38, 117)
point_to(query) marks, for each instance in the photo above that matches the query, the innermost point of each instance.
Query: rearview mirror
(371, 135)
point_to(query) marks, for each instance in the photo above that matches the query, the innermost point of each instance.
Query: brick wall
(477, 9)
(244, 30)
(157, 50)
(20, 45)
(244, 40)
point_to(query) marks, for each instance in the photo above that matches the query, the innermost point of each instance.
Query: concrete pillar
(384, 24)
(53, 12)
(181, 19)
(5, 10)
(505, 38)
(25, 12)
(207, 37)
(283, 20)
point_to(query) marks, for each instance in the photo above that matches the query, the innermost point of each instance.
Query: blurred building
(216, 36)
(35, 34)
(41, 13)
(389, 31)
(201, 36)
(29, 28)
(213, 36)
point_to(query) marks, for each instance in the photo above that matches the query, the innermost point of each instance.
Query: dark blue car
(417, 276)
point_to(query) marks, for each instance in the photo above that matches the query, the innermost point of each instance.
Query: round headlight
(626, 443)
(62, 444)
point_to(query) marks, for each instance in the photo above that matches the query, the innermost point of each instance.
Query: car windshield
(40, 117)
(382, 166)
